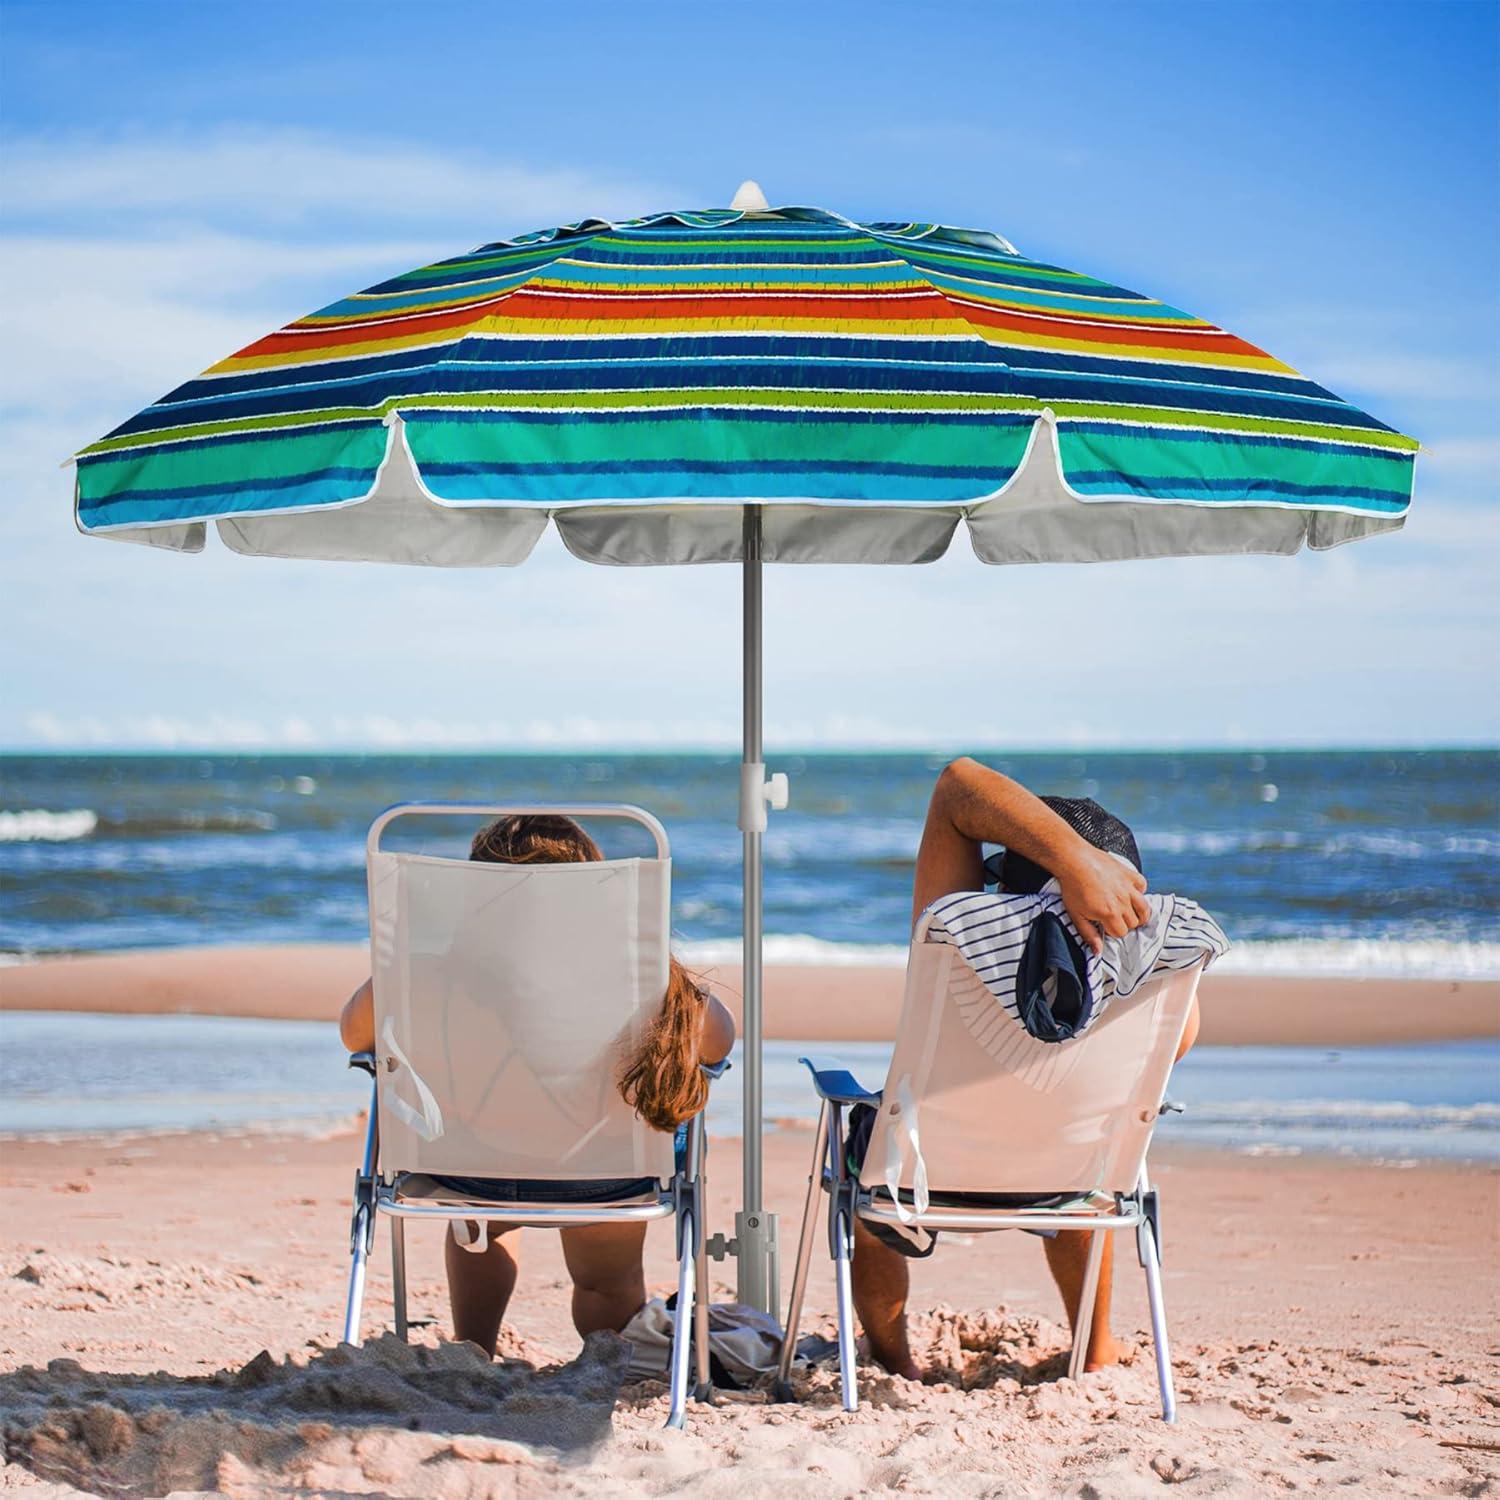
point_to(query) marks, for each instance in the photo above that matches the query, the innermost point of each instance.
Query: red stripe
(632, 306)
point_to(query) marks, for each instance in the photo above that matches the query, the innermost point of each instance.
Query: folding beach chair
(975, 1105)
(505, 997)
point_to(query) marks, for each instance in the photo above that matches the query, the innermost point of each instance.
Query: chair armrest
(364, 1061)
(834, 1082)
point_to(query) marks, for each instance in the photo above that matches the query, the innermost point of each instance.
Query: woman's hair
(662, 1082)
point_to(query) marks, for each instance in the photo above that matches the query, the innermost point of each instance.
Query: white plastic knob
(778, 791)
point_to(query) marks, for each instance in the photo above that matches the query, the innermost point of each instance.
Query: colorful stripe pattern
(724, 356)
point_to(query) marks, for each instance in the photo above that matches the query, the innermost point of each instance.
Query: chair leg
(844, 1241)
(703, 1382)
(1151, 1261)
(1083, 1320)
(683, 1321)
(804, 1253)
(360, 1250)
(398, 1273)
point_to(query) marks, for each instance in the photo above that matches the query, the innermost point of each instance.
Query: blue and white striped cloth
(990, 931)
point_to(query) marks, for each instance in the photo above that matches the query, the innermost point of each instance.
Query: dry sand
(1335, 1326)
(828, 1004)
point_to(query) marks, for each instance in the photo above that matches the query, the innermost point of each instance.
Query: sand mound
(388, 1418)
(995, 1418)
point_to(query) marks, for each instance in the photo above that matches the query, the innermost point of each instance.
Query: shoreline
(803, 1002)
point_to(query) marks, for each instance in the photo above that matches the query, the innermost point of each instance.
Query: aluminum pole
(755, 1230)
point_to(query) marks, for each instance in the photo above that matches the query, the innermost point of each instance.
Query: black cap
(1023, 877)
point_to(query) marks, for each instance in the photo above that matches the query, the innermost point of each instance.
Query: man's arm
(973, 805)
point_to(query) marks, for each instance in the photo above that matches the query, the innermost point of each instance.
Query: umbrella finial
(749, 199)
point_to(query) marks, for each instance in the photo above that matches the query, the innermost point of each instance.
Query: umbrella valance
(640, 381)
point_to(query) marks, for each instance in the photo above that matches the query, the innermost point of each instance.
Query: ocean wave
(1355, 958)
(1365, 958)
(1388, 845)
(38, 826)
(798, 949)
(1342, 1113)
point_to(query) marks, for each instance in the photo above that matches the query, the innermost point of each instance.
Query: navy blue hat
(1016, 874)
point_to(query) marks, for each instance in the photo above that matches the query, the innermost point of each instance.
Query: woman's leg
(881, 1283)
(609, 1280)
(479, 1285)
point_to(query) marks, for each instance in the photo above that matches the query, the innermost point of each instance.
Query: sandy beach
(1334, 1327)
(172, 1301)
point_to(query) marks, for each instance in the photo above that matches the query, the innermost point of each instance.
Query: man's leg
(947, 861)
(881, 1283)
(609, 1280)
(1067, 1257)
(479, 1285)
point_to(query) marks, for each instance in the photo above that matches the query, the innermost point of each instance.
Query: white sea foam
(1365, 958)
(36, 825)
(798, 948)
(1355, 958)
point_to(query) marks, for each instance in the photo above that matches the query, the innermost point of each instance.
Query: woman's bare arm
(357, 1023)
(973, 805)
(718, 1032)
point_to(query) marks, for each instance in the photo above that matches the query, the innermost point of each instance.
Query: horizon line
(726, 748)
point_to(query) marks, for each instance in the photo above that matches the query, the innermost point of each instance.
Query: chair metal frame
(681, 1199)
(849, 1200)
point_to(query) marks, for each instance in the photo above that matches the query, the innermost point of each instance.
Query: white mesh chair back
(506, 999)
(997, 1111)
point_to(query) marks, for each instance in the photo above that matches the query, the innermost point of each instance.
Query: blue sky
(178, 179)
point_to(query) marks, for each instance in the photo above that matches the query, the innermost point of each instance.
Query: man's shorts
(857, 1143)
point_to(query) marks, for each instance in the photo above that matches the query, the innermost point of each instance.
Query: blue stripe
(143, 507)
(451, 377)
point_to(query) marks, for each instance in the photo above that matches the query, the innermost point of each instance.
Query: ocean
(1370, 862)
(1318, 861)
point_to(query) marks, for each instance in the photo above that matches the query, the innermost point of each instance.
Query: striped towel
(990, 931)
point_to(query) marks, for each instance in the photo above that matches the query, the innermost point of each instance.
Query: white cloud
(297, 178)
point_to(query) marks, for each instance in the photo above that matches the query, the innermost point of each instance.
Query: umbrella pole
(754, 1229)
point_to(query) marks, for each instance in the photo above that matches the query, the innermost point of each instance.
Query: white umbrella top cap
(749, 198)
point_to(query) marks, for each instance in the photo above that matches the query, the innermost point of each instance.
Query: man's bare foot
(893, 1361)
(1101, 1357)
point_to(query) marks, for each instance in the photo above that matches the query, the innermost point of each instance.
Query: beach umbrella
(747, 385)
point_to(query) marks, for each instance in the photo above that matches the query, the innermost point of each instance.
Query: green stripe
(235, 464)
(1082, 449)
(977, 407)
(692, 439)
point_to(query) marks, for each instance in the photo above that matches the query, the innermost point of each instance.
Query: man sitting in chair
(1104, 893)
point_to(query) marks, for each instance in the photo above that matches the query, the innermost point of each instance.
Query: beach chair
(974, 1105)
(505, 997)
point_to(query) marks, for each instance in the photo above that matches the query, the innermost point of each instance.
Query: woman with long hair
(663, 1082)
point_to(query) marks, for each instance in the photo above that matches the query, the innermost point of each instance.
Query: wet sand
(835, 1003)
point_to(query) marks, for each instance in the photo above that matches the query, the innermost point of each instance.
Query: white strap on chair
(427, 1121)
(470, 1234)
(901, 1143)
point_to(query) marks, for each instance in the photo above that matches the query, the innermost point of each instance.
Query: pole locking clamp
(758, 792)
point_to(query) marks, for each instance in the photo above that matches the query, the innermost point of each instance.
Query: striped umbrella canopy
(748, 385)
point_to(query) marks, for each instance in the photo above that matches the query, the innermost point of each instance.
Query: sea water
(65, 1075)
(1371, 862)
(1318, 861)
